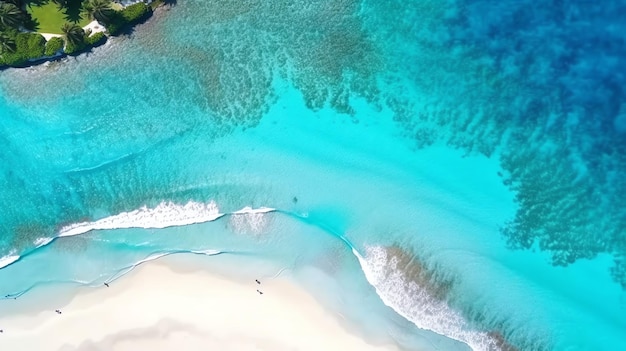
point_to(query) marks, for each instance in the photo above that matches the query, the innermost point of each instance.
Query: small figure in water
(107, 285)
(259, 291)
(257, 281)
(58, 311)
(295, 200)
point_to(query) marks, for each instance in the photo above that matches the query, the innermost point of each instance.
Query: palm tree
(7, 44)
(10, 15)
(17, 3)
(61, 3)
(99, 10)
(73, 33)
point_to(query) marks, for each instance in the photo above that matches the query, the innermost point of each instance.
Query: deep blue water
(461, 162)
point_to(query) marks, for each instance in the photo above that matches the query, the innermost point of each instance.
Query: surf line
(166, 214)
(118, 273)
(160, 254)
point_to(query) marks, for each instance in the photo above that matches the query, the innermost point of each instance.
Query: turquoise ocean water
(446, 174)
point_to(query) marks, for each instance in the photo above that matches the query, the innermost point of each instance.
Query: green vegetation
(18, 46)
(50, 18)
(53, 46)
(136, 12)
(154, 4)
(73, 33)
(33, 44)
(27, 46)
(129, 15)
(18, 3)
(99, 10)
(7, 43)
(95, 39)
(10, 15)
(77, 40)
(74, 37)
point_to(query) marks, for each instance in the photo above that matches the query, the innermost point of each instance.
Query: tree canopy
(73, 33)
(10, 15)
(99, 10)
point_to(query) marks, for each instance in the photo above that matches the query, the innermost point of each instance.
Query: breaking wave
(8, 260)
(411, 290)
(164, 215)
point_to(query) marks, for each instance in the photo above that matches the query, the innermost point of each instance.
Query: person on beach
(257, 281)
(259, 291)
(107, 285)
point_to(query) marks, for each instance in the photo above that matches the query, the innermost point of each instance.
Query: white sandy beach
(155, 308)
(94, 26)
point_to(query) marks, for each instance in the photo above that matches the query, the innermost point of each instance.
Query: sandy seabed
(156, 308)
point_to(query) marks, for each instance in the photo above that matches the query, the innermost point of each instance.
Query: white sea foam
(250, 220)
(166, 214)
(249, 209)
(416, 303)
(208, 252)
(42, 242)
(8, 259)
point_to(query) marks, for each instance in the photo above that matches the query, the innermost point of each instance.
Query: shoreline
(162, 305)
(93, 28)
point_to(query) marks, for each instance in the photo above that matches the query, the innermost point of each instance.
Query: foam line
(251, 210)
(416, 304)
(166, 214)
(207, 252)
(42, 242)
(8, 260)
(118, 274)
(122, 272)
(155, 256)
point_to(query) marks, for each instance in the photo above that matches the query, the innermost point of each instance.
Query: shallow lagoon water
(409, 166)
